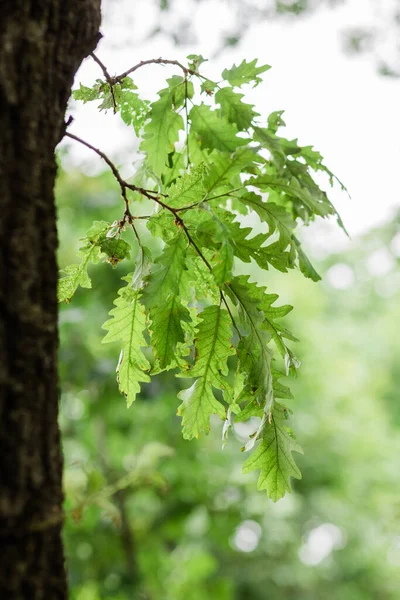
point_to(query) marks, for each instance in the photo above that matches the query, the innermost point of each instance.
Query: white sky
(338, 104)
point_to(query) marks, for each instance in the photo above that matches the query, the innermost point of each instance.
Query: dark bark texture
(42, 43)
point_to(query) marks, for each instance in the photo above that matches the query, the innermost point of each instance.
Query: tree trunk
(42, 43)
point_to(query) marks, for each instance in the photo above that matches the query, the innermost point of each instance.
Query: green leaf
(161, 295)
(253, 352)
(164, 280)
(213, 130)
(280, 390)
(277, 331)
(133, 110)
(167, 331)
(162, 224)
(200, 280)
(180, 89)
(161, 133)
(198, 404)
(308, 196)
(116, 249)
(97, 232)
(127, 325)
(176, 166)
(143, 266)
(221, 230)
(259, 310)
(213, 347)
(275, 121)
(223, 264)
(253, 408)
(277, 217)
(304, 263)
(208, 87)
(86, 94)
(246, 72)
(272, 144)
(274, 456)
(77, 275)
(188, 189)
(223, 169)
(234, 109)
(196, 60)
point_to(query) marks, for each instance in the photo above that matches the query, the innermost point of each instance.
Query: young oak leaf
(213, 347)
(274, 456)
(277, 217)
(253, 351)
(305, 265)
(180, 89)
(160, 133)
(164, 280)
(188, 189)
(225, 169)
(222, 264)
(213, 130)
(255, 360)
(127, 325)
(246, 72)
(77, 275)
(255, 299)
(162, 296)
(258, 317)
(116, 249)
(304, 193)
(245, 247)
(252, 408)
(133, 110)
(234, 109)
(167, 331)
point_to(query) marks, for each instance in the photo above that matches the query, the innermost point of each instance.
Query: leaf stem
(124, 185)
(187, 124)
(205, 199)
(108, 79)
(223, 299)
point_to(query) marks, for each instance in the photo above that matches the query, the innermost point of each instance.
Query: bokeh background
(154, 517)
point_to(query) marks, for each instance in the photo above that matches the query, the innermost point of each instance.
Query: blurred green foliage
(153, 516)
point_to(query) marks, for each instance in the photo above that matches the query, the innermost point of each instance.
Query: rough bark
(42, 43)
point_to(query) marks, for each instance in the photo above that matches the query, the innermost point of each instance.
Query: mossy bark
(42, 43)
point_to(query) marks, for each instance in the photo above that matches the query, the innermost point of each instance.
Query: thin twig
(136, 234)
(205, 199)
(157, 61)
(101, 65)
(128, 217)
(122, 183)
(191, 241)
(101, 154)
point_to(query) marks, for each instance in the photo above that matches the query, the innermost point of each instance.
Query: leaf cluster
(211, 160)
